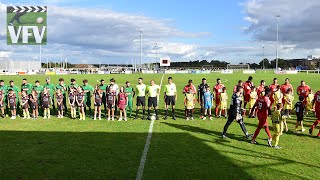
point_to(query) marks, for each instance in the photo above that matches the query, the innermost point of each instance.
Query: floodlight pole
(156, 46)
(278, 17)
(263, 58)
(141, 49)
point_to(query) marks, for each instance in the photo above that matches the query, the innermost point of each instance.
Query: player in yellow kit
(309, 105)
(253, 99)
(189, 102)
(223, 102)
(277, 96)
(277, 122)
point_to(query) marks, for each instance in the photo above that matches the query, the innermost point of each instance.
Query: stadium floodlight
(263, 58)
(278, 17)
(141, 49)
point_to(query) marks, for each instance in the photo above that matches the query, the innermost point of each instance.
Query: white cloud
(100, 33)
(298, 24)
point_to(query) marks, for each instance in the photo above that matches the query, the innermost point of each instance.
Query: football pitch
(73, 149)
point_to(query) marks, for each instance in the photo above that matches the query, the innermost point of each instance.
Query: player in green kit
(17, 91)
(4, 88)
(130, 95)
(26, 86)
(103, 88)
(73, 84)
(141, 97)
(87, 89)
(39, 89)
(52, 89)
(63, 89)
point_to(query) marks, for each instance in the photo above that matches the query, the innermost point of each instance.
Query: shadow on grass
(99, 155)
(275, 160)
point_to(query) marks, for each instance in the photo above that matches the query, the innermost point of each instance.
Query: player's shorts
(251, 105)
(1, 105)
(189, 107)
(141, 101)
(60, 107)
(45, 105)
(34, 106)
(97, 104)
(246, 97)
(110, 106)
(170, 100)
(299, 117)
(318, 115)
(122, 106)
(13, 107)
(263, 123)
(223, 105)
(152, 102)
(271, 100)
(217, 101)
(25, 106)
(80, 104)
(207, 105)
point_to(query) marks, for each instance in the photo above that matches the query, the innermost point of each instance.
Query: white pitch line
(146, 147)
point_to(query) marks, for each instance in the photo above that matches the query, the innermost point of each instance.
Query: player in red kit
(217, 90)
(316, 103)
(260, 89)
(240, 83)
(303, 90)
(264, 107)
(273, 88)
(284, 87)
(247, 89)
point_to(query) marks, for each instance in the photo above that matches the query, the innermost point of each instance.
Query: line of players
(39, 99)
(262, 98)
(112, 98)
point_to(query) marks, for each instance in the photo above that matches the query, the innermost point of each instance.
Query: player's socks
(75, 113)
(137, 112)
(71, 113)
(28, 115)
(148, 112)
(83, 116)
(48, 113)
(217, 111)
(268, 132)
(173, 113)
(166, 113)
(256, 133)
(143, 113)
(90, 111)
(24, 114)
(45, 114)
(156, 111)
(243, 127)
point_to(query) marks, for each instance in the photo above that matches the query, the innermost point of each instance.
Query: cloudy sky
(108, 31)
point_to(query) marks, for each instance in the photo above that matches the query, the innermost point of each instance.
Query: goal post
(238, 66)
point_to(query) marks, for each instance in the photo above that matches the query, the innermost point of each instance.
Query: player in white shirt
(115, 89)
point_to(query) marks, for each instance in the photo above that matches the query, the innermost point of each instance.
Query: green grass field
(29, 19)
(69, 149)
